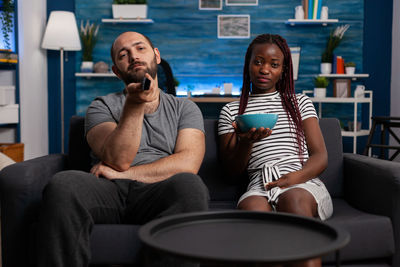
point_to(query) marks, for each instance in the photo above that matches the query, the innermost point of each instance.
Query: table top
(242, 237)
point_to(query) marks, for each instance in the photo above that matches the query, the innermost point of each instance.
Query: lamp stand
(62, 97)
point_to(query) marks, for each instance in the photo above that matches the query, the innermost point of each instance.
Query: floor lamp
(61, 34)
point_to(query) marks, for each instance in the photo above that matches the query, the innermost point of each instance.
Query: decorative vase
(326, 68)
(87, 66)
(324, 13)
(101, 67)
(350, 70)
(129, 11)
(319, 92)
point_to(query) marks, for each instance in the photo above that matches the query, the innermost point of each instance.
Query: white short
(315, 186)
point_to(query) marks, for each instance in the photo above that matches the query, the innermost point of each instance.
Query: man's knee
(190, 190)
(64, 185)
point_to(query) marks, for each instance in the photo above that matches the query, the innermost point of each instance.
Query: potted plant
(350, 67)
(6, 18)
(320, 84)
(176, 82)
(129, 9)
(335, 37)
(88, 34)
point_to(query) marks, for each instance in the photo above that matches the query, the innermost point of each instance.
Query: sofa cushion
(224, 188)
(333, 174)
(371, 236)
(221, 188)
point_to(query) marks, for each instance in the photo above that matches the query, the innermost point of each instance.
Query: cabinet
(367, 99)
(9, 107)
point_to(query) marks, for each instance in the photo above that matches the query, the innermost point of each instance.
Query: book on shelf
(319, 7)
(334, 64)
(4, 60)
(8, 55)
(305, 8)
(339, 65)
(315, 9)
(310, 9)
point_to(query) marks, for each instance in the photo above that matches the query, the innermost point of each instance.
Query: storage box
(13, 150)
(7, 95)
(9, 114)
(7, 77)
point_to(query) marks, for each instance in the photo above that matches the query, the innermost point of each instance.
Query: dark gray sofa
(366, 193)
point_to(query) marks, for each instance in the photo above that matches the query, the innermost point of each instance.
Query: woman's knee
(298, 201)
(255, 203)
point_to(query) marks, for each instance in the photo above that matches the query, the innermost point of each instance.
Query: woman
(282, 164)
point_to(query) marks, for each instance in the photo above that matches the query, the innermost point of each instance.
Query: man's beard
(137, 76)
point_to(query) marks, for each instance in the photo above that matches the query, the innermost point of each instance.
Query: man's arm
(117, 144)
(188, 156)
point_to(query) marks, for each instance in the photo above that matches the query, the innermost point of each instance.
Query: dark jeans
(73, 201)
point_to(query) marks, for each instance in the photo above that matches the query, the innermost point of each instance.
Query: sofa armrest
(373, 185)
(21, 186)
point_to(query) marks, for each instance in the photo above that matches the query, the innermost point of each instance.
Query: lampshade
(61, 32)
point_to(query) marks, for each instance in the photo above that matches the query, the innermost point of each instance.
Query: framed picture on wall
(233, 26)
(341, 87)
(295, 51)
(210, 4)
(241, 2)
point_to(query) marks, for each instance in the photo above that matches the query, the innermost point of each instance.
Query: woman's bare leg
(255, 203)
(299, 201)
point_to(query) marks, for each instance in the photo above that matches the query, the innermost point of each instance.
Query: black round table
(242, 237)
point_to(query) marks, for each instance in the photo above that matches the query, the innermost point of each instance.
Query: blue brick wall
(187, 39)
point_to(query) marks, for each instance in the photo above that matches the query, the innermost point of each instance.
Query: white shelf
(127, 20)
(341, 100)
(351, 100)
(325, 22)
(95, 75)
(356, 133)
(345, 76)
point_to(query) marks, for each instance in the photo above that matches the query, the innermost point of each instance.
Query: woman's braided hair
(285, 85)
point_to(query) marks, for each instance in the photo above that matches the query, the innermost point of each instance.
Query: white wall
(395, 85)
(33, 77)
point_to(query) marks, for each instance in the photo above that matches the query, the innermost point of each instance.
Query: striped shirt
(281, 146)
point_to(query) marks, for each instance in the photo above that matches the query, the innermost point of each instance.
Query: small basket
(13, 150)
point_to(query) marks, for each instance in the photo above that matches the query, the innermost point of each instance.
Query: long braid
(285, 85)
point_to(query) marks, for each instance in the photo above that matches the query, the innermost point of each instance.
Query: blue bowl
(248, 121)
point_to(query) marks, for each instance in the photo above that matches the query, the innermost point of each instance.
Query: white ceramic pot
(87, 66)
(350, 70)
(324, 13)
(320, 92)
(129, 11)
(326, 68)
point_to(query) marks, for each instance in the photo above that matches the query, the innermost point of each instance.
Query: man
(148, 146)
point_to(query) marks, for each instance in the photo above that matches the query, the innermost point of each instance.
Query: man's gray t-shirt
(160, 129)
